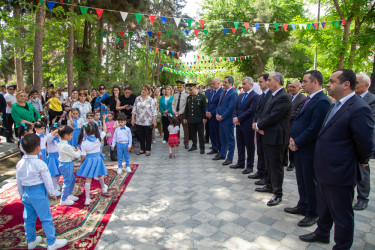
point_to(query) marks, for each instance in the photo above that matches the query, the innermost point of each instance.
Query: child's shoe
(104, 189)
(175, 155)
(58, 244)
(87, 202)
(57, 193)
(119, 171)
(73, 198)
(67, 202)
(170, 155)
(128, 169)
(32, 245)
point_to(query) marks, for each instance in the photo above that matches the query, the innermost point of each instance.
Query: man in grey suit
(363, 185)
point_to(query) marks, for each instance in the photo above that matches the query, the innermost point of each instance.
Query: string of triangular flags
(152, 18)
(180, 65)
(196, 73)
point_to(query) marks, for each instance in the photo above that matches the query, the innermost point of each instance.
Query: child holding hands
(123, 139)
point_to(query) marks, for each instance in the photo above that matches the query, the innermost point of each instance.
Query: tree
(38, 47)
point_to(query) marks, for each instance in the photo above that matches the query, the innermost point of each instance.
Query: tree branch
(368, 14)
(337, 6)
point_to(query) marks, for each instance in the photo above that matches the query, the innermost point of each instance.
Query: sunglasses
(10, 89)
(101, 88)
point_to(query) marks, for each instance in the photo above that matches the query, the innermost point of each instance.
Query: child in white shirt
(123, 139)
(173, 140)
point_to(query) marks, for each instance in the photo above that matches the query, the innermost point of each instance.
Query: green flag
(244, 30)
(117, 40)
(236, 24)
(41, 2)
(205, 32)
(162, 51)
(276, 26)
(308, 25)
(130, 33)
(168, 33)
(83, 9)
(138, 17)
(189, 22)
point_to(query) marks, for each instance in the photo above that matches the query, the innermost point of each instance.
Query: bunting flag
(99, 12)
(247, 25)
(202, 23)
(124, 44)
(187, 32)
(315, 25)
(267, 26)
(172, 52)
(256, 26)
(122, 34)
(138, 17)
(40, 2)
(161, 51)
(308, 25)
(236, 24)
(167, 52)
(156, 50)
(323, 24)
(50, 5)
(293, 26)
(285, 26)
(304, 26)
(150, 48)
(177, 21)
(117, 40)
(343, 21)
(244, 30)
(149, 33)
(205, 32)
(254, 29)
(189, 22)
(178, 54)
(124, 15)
(83, 9)
(196, 32)
(159, 34)
(61, 1)
(163, 19)
(234, 31)
(168, 33)
(225, 31)
(276, 26)
(152, 19)
(130, 34)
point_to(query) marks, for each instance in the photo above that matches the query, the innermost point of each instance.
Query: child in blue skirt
(123, 138)
(76, 123)
(34, 184)
(92, 158)
(67, 154)
(53, 139)
(40, 130)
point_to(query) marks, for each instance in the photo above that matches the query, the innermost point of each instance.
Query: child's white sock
(101, 181)
(87, 190)
(55, 182)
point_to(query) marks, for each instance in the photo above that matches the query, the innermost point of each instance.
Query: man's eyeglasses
(10, 89)
(101, 88)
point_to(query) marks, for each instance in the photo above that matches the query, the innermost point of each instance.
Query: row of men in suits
(332, 145)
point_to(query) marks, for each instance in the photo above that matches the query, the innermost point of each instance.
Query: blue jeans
(36, 203)
(67, 171)
(122, 153)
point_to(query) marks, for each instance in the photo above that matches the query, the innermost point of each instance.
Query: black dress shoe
(307, 221)
(313, 237)
(247, 171)
(218, 157)
(227, 162)
(202, 151)
(275, 200)
(261, 182)
(186, 146)
(235, 166)
(192, 148)
(290, 168)
(212, 152)
(264, 189)
(294, 210)
(361, 204)
(257, 175)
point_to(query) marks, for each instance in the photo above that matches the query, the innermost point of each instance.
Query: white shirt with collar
(67, 152)
(313, 94)
(43, 141)
(122, 136)
(344, 99)
(266, 91)
(32, 171)
(248, 92)
(274, 93)
(294, 96)
(80, 123)
(51, 144)
(10, 98)
(88, 147)
(363, 94)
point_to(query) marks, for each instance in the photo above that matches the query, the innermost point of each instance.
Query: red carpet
(81, 225)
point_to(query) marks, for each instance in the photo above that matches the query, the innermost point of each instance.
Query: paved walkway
(192, 202)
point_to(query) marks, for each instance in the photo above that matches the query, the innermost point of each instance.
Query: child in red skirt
(173, 140)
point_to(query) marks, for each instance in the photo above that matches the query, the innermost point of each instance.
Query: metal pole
(316, 47)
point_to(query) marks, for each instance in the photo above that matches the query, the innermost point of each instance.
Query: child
(53, 157)
(40, 129)
(33, 184)
(123, 139)
(25, 128)
(89, 117)
(92, 159)
(173, 140)
(66, 167)
(111, 126)
(35, 101)
(55, 108)
(76, 123)
(97, 120)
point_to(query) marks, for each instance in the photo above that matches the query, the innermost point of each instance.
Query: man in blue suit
(224, 114)
(344, 145)
(213, 98)
(303, 135)
(244, 113)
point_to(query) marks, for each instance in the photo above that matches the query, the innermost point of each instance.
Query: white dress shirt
(173, 130)
(89, 147)
(83, 109)
(344, 99)
(80, 123)
(10, 98)
(43, 141)
(37, 103)
(67, 152)
(122, 136)
(51, 144)
(32, 171)
(313, 94)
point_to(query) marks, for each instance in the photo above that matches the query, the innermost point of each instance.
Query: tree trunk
(158, 70)
(345, 38)
(71, 52)
(107, 54)
(100, 47)
(353, 47)
(17, 50)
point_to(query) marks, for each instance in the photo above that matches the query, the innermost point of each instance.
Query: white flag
(254, 29)
(177, 21)
(267, 26)
(167, 52)
(304, 25)
(124, 15)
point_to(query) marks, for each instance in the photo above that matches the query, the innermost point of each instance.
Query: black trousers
(145, 137)
(165, 121)
(245, 139)
(261, 165)
(52, 114)
(273, 156)
(195, 128)
(335, 206)
(288, 154)
(9, 126)
(207, 133)
(363, 186)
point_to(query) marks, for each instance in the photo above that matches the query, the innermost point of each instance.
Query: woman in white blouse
(144, 116)
(82, 105)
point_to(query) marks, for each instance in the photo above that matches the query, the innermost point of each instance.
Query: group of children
(48, 154)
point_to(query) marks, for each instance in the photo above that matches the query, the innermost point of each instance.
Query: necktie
(261, 98)
(243, 99)
(307, 100)
(178, 103)
(333, 112)
(212, 97)
(293, 97)
(123, 128)
(225, 92)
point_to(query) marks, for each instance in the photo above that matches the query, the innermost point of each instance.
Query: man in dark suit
(224, 114)
(244, 112)
(344, 145)
(261, 166)
(273, 128)
(213, 98)
(298, 99)
(363, 186)
(303, 134)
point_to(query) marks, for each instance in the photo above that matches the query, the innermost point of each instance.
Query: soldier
(195, 116)
(178, 108)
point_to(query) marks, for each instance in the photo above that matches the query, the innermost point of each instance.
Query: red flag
(124, 43)
(156, 50)
(316, 25)
(61, 1)
(159, 34)
(99, 12)
(201, 22)
(122, 33)
(285, 26)
(246, 25)
(196, 32)
(178, 54)
(343, 21)
(198, 57)
(152, 19)
(234, 30)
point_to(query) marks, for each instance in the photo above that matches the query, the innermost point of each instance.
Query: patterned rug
(81, 225)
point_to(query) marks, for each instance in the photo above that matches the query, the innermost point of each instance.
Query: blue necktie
(243, 99)
(123, 128)
(333, 112)
(212, 97)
